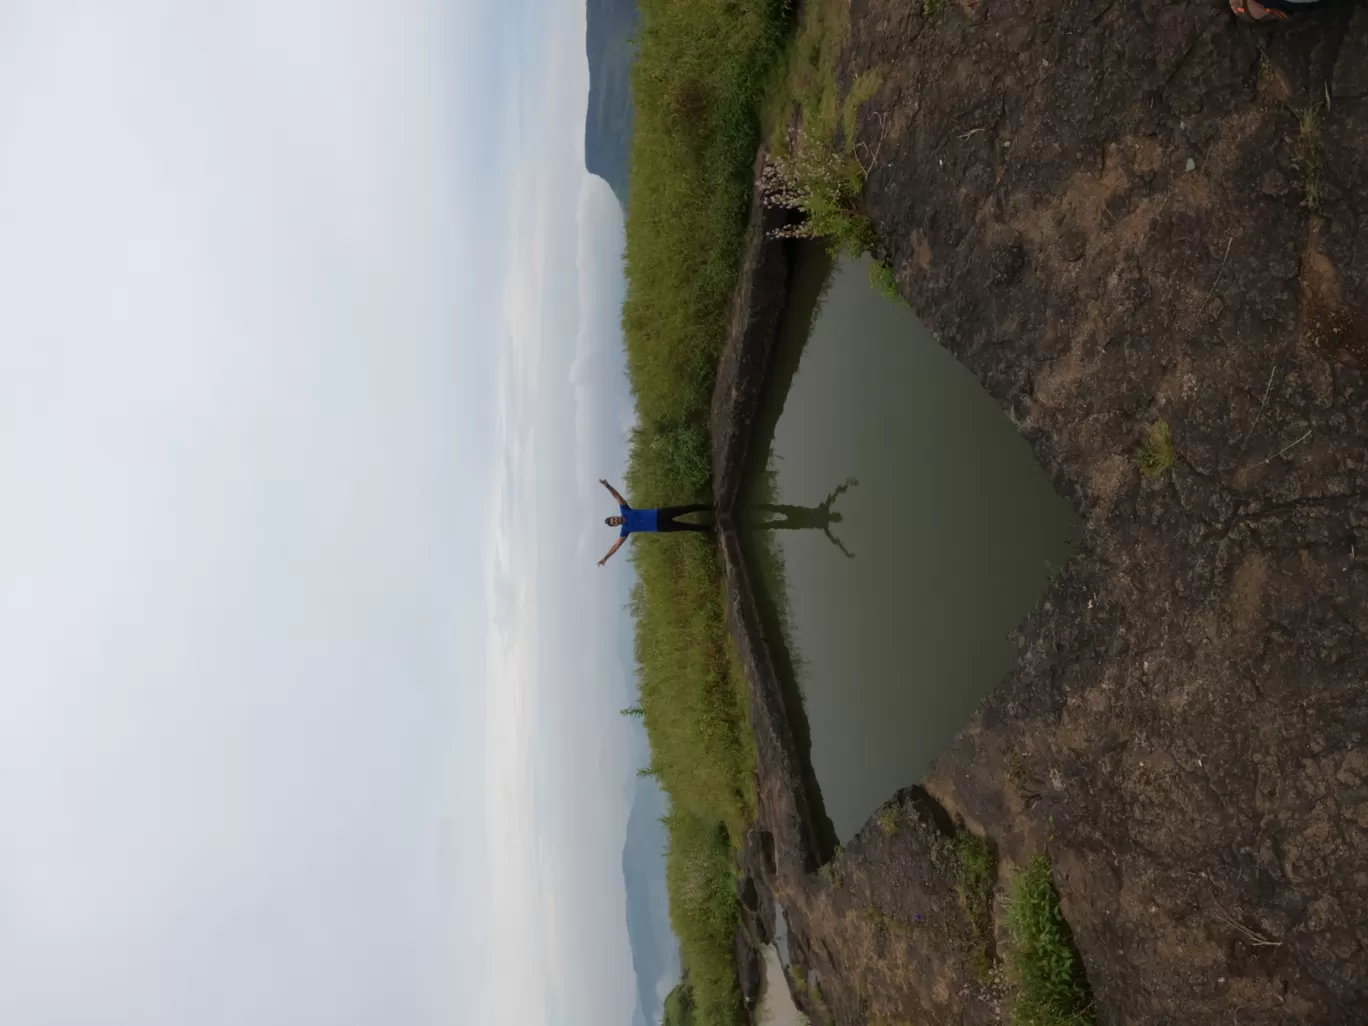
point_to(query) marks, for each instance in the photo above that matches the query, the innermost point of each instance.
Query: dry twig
(882, 118)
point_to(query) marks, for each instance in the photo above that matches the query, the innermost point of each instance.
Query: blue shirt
(637, 520)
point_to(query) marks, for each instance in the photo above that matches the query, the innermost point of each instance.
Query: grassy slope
(699, 83)
(709, 75)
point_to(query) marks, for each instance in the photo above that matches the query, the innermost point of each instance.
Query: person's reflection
(807, 518)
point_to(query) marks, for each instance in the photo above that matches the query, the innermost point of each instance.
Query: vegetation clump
(888, 820)
(711, 78)
(883, 281)
(1157, 455)
(825, 186)
(702, 71)
(679, 1006)
(1043, 965)
(704, 909)
(977, 877)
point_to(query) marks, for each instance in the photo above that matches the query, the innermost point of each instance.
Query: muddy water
(776, 1007)
(901, 528)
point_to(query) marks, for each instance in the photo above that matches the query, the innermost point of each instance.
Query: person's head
(614, 521)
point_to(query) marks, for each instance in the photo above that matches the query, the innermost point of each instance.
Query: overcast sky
(309, 363)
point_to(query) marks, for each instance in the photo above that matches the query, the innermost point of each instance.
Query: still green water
(901, 529)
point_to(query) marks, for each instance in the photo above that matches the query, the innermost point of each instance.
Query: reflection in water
(955, 523)
(805, 518)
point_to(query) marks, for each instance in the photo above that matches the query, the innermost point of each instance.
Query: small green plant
(888, 820)
(825, 186)
(931, 8)
(884, 281)
(1157, 455)
(831, 871)
(977, 878)
(1043, 966)
(679, 1007)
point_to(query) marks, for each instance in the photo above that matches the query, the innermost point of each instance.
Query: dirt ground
(1116, 213)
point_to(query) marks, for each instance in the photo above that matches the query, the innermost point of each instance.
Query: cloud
(598, 339)
(558, 760)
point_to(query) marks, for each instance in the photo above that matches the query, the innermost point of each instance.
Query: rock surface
(1186, 733)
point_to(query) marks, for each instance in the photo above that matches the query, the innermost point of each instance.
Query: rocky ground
(1117, 213)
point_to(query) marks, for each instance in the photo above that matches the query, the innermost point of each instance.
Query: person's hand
(603, 481)
(602, 561)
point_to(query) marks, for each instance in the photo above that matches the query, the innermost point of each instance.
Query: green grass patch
(1043, 965)
(817, 164)
(694, 699)
(699, 871)
(888, 819)
(679, 1007)
(703, 69)
(710, 77)
(883, 281)
(806, 88)
(1157, 455)
(976, 879)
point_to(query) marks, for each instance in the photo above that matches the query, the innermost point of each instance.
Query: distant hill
(608, 125)
(655, 952)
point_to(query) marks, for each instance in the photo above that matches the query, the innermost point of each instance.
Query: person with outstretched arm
(659, 520)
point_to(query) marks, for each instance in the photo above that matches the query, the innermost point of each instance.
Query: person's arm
(616, 545)
(616, 494)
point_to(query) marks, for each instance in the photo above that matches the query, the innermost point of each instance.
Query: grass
(812, 128)
(704, 908)
(1043, 965)
(1157, 455)
(702, 71)
(826, 186)
(702, 751)
(977, 878)
(883, 281)
(888, 819)
(831, 871)
(679, 1007)
(710, 77)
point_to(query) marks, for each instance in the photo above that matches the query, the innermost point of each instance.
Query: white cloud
(558, 760)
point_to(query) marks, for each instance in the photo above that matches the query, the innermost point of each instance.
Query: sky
(309, 365)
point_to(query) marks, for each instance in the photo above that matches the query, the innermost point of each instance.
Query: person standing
(659, 520)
